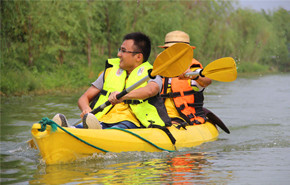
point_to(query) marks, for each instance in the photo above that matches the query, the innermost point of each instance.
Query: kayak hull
(64, 147)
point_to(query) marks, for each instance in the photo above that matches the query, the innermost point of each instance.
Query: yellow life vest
(145, 110)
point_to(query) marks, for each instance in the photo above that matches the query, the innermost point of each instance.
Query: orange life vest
(188, 102)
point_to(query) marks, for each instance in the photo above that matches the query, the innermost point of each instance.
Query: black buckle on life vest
(151, 123)
(190, 116)
(177, 94)
(195, 122)
(181, 107)
(170, 95)
(200, 113)
(183, 125)
(195, 104)
(103, 92)
(132, 102)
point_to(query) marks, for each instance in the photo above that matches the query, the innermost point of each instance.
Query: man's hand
(85, 111)
(182, 76)
(113, 98)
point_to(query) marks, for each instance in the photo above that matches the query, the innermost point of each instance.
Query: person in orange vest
(183, 96)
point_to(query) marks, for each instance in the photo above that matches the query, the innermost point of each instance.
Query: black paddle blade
(215, 120)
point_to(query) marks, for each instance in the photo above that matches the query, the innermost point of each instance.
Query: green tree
(63, 44)
(281, 54)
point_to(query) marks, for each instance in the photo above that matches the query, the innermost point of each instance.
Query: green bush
(252, 67)
(18, 82)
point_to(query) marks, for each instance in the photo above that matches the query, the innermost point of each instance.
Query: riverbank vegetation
(49, 45)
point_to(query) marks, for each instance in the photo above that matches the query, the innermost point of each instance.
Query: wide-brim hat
(176, 37)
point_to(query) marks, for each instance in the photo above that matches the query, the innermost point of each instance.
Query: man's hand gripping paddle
(223, 69)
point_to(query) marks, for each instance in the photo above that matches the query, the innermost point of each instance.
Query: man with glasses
(139, 108)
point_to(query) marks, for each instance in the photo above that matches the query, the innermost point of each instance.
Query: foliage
(252, 67)
(63, 44)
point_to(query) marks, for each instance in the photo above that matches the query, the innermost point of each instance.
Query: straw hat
(176, 37)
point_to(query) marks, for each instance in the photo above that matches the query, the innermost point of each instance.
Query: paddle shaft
(120, 95)
(196, 72)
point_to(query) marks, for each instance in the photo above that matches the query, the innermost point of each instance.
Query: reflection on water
(188, 168)
(107, 169)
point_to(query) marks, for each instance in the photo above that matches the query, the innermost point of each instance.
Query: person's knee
(125, 125)
(120, 126)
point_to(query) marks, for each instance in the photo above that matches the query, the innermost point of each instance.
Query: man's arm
(151, 89)
(202, 81)
(86, 98)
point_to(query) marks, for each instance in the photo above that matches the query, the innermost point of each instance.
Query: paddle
(170, 63)
(215, 120)
(223, 69)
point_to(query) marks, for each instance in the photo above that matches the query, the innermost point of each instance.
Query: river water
(256, 109)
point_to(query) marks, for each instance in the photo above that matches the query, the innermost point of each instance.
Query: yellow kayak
(69, 144)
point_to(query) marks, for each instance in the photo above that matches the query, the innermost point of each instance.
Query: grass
(63, 79)
(73, 79)
(250, 67)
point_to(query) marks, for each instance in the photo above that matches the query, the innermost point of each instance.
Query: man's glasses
(125, 51)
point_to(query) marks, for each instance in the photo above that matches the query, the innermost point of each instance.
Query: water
(256, 109)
